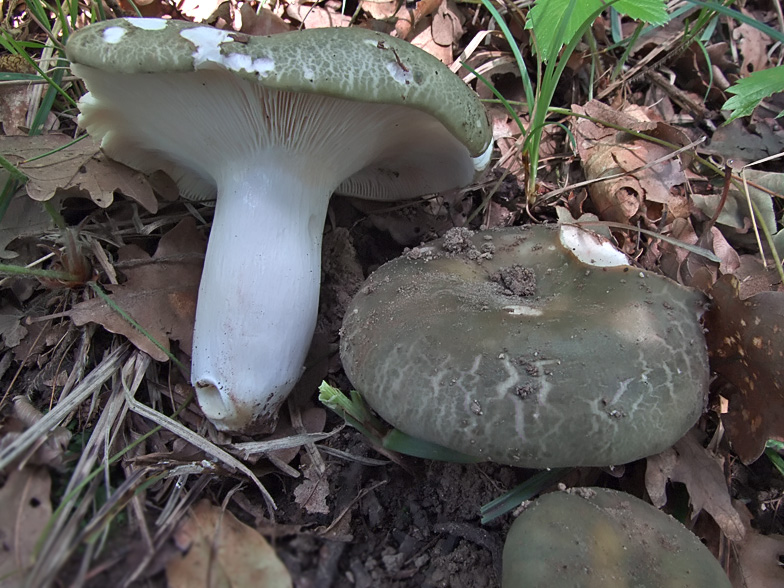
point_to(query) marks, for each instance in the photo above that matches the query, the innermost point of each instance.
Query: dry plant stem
(310, 448)
(58, 541)
(724, 192)
(199, 442)
(90, 385)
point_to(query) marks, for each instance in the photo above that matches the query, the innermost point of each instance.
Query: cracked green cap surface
(507, 346)
(348, 63)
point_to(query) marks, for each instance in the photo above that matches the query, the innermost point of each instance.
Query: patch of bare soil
(391, 527)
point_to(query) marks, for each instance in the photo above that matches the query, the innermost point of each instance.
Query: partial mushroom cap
(601, 537)
(351, 64)
(531, 346)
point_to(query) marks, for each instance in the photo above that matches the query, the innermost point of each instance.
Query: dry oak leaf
(689, 462)
(759, 561)
(26, 509)
(220, 551)
(312, 492)
(605, 151)
(80, 166)
(746, 346)
(159, 294)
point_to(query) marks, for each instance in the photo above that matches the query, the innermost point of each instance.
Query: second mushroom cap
(536, 347)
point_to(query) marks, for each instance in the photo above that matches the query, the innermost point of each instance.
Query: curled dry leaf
(606, 151)
(689, 462)
(160, 292)
(746, 346)
(219, 550)
(80, 166)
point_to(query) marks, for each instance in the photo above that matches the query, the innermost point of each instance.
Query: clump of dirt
(517, 280)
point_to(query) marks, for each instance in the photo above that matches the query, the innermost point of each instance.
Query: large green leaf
(546, 18)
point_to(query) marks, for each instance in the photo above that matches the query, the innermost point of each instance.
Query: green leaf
(651, 11)
(546, 17)
(753, 88)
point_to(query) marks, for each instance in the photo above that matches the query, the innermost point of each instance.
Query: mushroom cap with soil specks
(530, 346)
(601, 537)
(272, 126)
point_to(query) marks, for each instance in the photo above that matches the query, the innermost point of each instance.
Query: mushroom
(272, 126)
(602, 537)
(531, 346)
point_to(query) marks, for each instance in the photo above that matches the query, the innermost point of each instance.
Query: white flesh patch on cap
(148, 24)
(207, 41)
(590, 248)
(481, 161)
(113, 35)
(519, 310)
(261, 66)
(399, 74)
(308, 74)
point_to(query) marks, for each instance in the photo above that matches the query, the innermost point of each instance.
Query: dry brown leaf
(702, 473)
(264, 22)
(759, 561)
(313, 16)
(220, 551)
(312, 492)
(753, 45)
(160, 292)
(26, 509)
(438, 33)
(79, 166)
(737, 142)
(101, 176)
(14, 103)
(313, 419)
(605, 151)
(746, 346)
(23, 218)
(198, 10)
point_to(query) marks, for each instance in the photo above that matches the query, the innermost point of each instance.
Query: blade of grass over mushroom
(504, 102)
(397, 440)
(666, 238)
(517, 495)
(356, 414)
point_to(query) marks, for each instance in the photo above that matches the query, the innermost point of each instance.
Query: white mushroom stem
(258, 297)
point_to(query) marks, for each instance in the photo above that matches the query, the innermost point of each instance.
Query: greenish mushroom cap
(349, 63)
(600, 537)
(507, 346)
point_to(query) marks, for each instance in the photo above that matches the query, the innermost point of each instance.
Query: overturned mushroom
(601, 537)
(272, 126)
(536, 347)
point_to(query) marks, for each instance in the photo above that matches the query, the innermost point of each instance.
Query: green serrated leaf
(546, 17)
(651, 11)
(753, 88)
